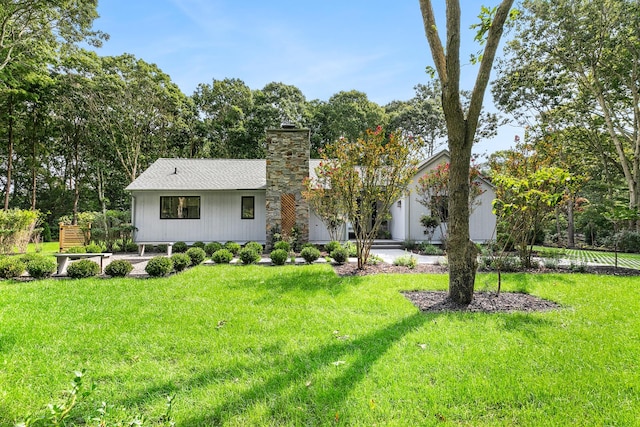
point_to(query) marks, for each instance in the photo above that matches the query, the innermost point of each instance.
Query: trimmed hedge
(180, 261)
(41, 267)
(248, 256)
(197, 255)
(159, 266)
(255, 246)
(82, 269)
(180, 247)
(282, 245)
(339, 255)
(11, 267)
(279, 256)
(212, 247)
(310, 254)
(232, 247)
(222, 256)
(118, 268)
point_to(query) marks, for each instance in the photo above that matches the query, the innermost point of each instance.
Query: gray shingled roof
(205, 174)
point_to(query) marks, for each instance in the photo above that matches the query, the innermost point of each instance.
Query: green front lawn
(300, 346)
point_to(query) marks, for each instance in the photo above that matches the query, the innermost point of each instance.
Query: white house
(249, 200)
(405, 214)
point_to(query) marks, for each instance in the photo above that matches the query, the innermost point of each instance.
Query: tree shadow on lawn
(288, 375)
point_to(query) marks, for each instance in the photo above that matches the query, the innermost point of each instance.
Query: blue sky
(322, 47)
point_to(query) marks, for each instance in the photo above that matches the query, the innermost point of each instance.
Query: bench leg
(141, 250)
(62, 265)
(169, 249)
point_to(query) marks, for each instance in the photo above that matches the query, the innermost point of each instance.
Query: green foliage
(212, 247)
(222, 256)
(429, 249)
(159, 266)
(197, 255)
(93, 248)
(162, 248)
(232, 247)
(627, 241)
(255, 246)
(198, 244)
(118, 268)
(82, 269)
(282, 244)
(131, 246)
(407, 260)
(248, 256)
(310, 254)
(279, 256)
(76, 250)
(16, 227)
(340, 255)
(180, 261)
(180, 247)
(40, 267)
(332, 246)
(46, 232)
(409, 245)
(351, 248)
(11, 267)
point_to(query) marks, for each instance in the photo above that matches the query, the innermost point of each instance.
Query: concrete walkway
(389, 255)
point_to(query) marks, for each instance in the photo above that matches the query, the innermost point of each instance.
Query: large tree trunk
(7, 188)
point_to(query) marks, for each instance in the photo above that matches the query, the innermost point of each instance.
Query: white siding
(398, 221)
(219, 221)
(317, 230)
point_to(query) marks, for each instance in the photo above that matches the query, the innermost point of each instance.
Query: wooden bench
(64, 259)
(141, 246)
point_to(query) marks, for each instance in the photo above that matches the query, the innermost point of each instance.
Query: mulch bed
(486, 302)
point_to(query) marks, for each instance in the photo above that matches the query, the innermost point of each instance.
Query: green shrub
(407, 260)
(506, 264)
(118, 268)
(232, 247)
(309, 245)
(198, 244)
(211, 248)
(93, 248)
(332, 246)
(76, 250)
(180, 261)
(409, 245)
(279, 256)
(255, 246)
(11, 267)
(310, 254)
(116, 247)
(197, 255)
(374, 259)
(429, 249)
(339, 255)
(222, 256)
(46, 232)
(628, 241)
(162, 248)
(82, 269)
(351, 248)
(248, 256)
(41, 267)
(282, 244)
(131, 246)
(159, 266)
(180, 247)
(27, 258)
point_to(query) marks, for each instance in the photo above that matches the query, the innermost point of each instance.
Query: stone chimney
(287, 167)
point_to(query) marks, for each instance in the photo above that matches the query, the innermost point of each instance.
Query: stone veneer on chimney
(287, 167)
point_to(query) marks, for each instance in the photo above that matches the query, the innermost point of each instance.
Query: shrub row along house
(250, 200)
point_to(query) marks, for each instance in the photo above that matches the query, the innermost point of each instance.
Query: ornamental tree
(366, 177)
(433, 192)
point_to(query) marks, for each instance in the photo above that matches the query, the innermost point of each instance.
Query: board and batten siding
(220, 218)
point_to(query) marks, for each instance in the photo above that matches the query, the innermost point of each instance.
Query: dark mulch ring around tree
(485, 302)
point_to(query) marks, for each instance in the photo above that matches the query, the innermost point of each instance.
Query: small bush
(118, 268)
(198, 244)
(248, 256)
(310, 254)
(76, 250)
(429, 249)
(180, 247)
(351, 248)
(374, 260)
(211, 248)
(279, 256)
(222, 256)
(339, 255)
(131, 246)
(285, 246)
(197, 255)
(506, 264)
(255, 246)
(407, 260)
(232, 247)
(159, 266)
(409, 245)
(578, 267)
(11, 267)
(41, 267)
(162, 248)
(628, 241)
(93, 248)
(82, 269)
(332, 246)
(550, 263)
(309, 245)
(180, 261)
(27, 258)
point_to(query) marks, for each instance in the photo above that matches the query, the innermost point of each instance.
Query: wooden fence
(72, 235)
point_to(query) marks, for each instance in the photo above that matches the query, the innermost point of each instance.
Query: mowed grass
(297, 345)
